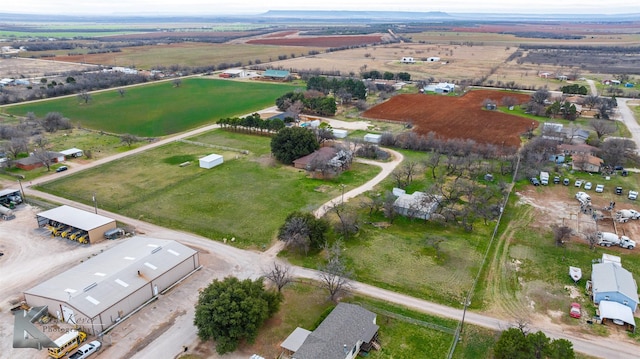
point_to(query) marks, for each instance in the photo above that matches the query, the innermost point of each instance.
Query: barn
(372, 138)
(72, 152)
(103, 290)
(75, 220)
(211, 161)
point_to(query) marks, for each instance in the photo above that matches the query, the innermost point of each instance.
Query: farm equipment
(83, 239)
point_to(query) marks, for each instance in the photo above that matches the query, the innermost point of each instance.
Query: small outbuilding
(211, 161)
(416, 205)
(611, 282)
(433, 59)
(337, 133)
(372, 138)
(73, 152)
(276, 74)
(408, 60)
(74, 220)
(105, 289)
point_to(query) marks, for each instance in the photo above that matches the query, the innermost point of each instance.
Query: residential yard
(528, 274)
(244, 200)
(160, 109)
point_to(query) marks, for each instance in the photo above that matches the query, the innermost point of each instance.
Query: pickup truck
(86, 350)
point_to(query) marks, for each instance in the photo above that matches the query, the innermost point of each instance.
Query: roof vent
(156, 249)
(87, 288)
(345, 349)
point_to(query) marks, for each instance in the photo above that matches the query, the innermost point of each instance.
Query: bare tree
(295, 109)
(592, 239)
(17, 145)
(591, 100)
(54, 121)
(122, 91)
(373, 204)
(334, 275)
(279, 275)
(404, 175)
(295, 233)
(602, 127)
(348, 219)
(388, 207)
(41, 151)
(177, 82)
(560, 233)
(129, 139)
(509, 101)
(84, 96)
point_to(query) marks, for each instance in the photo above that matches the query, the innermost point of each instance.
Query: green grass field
(247, 197)
(161, 108)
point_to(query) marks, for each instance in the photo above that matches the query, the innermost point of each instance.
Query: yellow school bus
(67, 343)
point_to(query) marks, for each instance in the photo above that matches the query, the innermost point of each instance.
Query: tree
(291, 143)
(231, 310)
(129, 139)
(602, 127)
(540, 96)
(334, 275)
(592, 239)
(122, 91)
(84, 96)
(560, 233)
(560, 349)
(303, 230)
(177, 82)
(41, 151)
(54, 121)
(404, 76)
(348, 220)
(279, 275)
(512, 344)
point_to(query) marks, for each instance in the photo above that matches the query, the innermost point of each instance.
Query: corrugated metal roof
(7, 191)
(104, 280)
(76, 217)
(608, 277)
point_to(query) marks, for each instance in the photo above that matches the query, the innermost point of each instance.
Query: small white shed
(372, 138)
(339, 133)
(210, 161)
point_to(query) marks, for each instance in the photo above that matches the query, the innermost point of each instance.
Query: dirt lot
(32, 68)
(456, 117)
(31, 256)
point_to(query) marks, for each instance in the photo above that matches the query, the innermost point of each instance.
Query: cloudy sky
(214, 7)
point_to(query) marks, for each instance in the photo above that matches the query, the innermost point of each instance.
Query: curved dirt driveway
(626, 116)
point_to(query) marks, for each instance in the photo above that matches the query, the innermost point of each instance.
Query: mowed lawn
(246, 198)
(160, 109)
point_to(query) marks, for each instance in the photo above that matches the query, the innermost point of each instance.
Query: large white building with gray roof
(91, 224)
(101, 291)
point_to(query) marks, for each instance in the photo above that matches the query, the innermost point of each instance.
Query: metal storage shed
(372, 138)
(94, 224)
(73, 152)
(339, 133)
(211, 161)
(103, 290)
(611, 282)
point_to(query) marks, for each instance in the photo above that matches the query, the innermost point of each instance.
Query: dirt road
(626, 116)
(592, 86)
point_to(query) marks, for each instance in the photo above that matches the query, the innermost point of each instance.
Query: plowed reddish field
(457, 117)
(321, 41)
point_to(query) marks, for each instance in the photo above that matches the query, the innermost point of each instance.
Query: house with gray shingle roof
(346, 331)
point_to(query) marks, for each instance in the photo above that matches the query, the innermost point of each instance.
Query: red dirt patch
(457, 117)
(321, 41)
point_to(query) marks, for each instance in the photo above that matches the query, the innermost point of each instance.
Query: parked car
(633, 195)
(534, 181)
(565, 181)
(588, 185)
(578, 183)
(618, 168)
(86, 350)
(575, 312)
(62, 168)
(624, 173)
(556, 179)
(618, 190)
(600, 188)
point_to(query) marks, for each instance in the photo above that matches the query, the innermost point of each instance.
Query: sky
(220, 7)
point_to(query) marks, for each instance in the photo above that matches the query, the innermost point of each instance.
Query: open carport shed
(94, 224)
(103, 290)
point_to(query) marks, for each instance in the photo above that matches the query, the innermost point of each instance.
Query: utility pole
(343, 186)
(95, 203)
(21, 189)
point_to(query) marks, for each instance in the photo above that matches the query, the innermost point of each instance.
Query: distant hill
(356, 15)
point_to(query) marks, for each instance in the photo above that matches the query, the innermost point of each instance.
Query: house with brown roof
(587, 163)
(32, 162)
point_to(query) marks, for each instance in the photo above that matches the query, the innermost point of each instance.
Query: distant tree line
(312, 102)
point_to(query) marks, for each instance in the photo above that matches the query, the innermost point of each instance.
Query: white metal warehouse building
(94, 224)
(101, 291)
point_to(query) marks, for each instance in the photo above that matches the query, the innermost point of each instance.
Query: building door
(67, 315)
